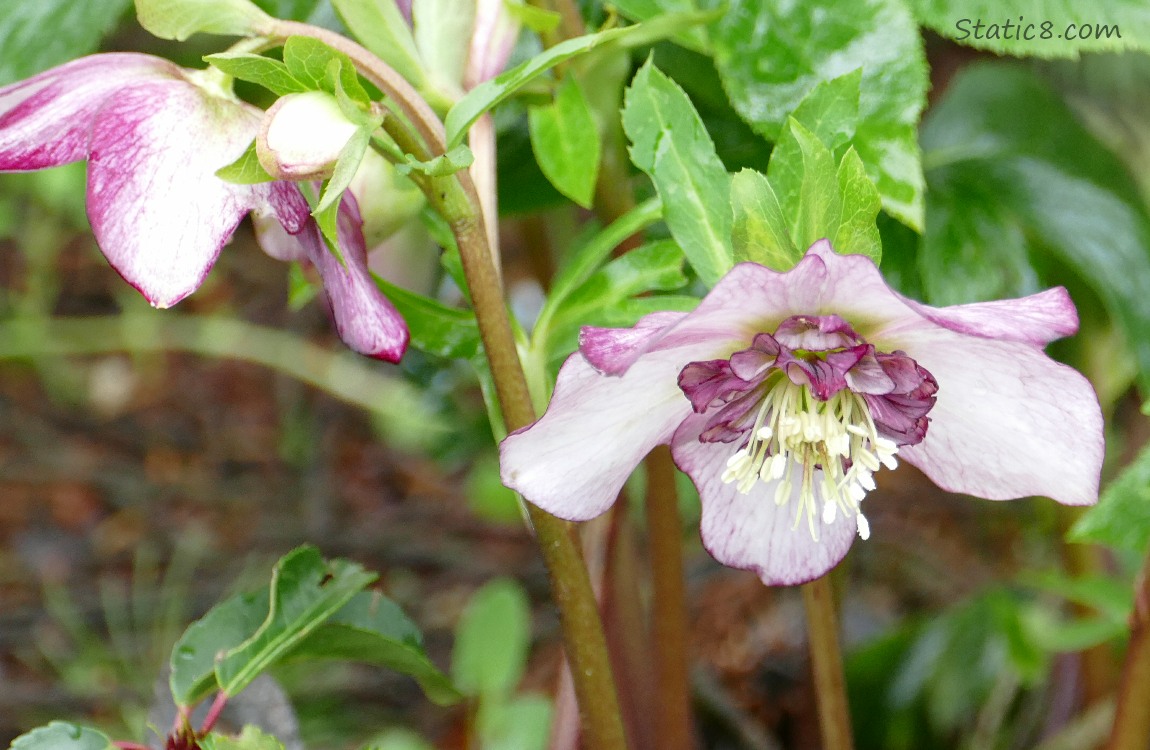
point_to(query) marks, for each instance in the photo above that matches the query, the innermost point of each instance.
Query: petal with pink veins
(1009, 421)
(750, 531)
(46, 120)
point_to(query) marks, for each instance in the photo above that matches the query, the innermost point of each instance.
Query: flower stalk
(827, 665)
(456, 199)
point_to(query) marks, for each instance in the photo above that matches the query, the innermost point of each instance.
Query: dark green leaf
(565, 140)
(1039, 28)
(435, 328)
(767, 73)
(670, 144)
(372, 629)
(38, 35)
(60, 735)
(1122, 517)
(273, 75)
(491, 640)
(305, 592)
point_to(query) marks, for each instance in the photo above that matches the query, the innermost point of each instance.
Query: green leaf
(251, 738)
(1038, 28)
(372, 629)
(179, 19)
(293, 10)
(802, 173)
(767, 75)
(1112, 597)
(42, 34)
(858, 228)
(61, 735)
(643, 10)
(1058, 634)
(305, 592)
(381, 28)
(670, 144)
(1045, 181)
(225, 626)
(273, 75)
(831, 109)
(522, 723)
(434, 327)
(491, 640)
(245, 170)
(318, 67)
(565, 140)
(1122, 517)
(759, 233)
(486, 95)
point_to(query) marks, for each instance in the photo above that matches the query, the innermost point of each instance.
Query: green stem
(1132, 716)
(827, 665)
(674, 729)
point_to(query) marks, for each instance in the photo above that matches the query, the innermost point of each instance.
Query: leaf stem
(827, 665)
(1132, 719)
(214, 712)
(673, 725)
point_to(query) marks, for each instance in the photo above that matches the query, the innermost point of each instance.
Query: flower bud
(302, 136)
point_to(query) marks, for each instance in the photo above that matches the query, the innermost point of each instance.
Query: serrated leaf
(802, 173)
(42, 34)
(273, 75)
(179, 19)
(434, 327)
(62, 735)
(372, 629)
(245, 170)
(381, 28)
(491, 640)
(759, 232)
(1038, 28)
(1122, 517)
(1047, 181)
(831, 110)
(250, 738)
(767, 75)
(305, 592)
(565, 139)
(858, 231)
(670, 144)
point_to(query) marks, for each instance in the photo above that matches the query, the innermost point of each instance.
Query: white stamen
(829, 512)
(863, 526)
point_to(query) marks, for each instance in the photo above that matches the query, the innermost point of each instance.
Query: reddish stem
(214, 712)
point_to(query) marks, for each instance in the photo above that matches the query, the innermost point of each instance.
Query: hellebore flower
(302, 136)
(783, 393)
(154, 134)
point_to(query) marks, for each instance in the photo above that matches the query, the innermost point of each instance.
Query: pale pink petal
(573, 461)
(611, 350)
(492, 41)
(750, 531)
(365, 319)
(46, 120)
(159, 212)
(1037, 319)
(1009, 421)
(274, 240)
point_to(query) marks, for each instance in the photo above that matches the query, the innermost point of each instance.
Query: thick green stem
(674, 728)
(1132, 716)
(827, 665)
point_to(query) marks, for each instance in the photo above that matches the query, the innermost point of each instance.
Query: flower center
(829, 449)
(814, 408)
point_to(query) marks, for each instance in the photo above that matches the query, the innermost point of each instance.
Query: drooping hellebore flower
(154, 134)
(783, 393)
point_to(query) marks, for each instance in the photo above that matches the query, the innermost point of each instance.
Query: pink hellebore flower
(154, 135)
(783, 393)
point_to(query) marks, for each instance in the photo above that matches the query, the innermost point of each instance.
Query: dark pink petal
(46, 120)
(816, 333)
(709, 383)
(158, 210)
(574, 461)
(752, 363)
(365, 319)
(750, 531)
(1009, 421)
(866, 375)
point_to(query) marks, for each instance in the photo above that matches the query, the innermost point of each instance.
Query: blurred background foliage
(148, 458)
